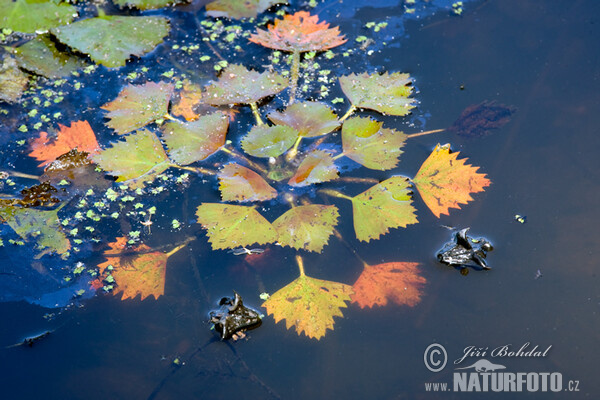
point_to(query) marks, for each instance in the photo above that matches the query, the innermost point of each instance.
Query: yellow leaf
(307, 227)
(238, 183)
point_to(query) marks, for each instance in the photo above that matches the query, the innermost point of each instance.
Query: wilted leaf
(140, 157)
(444, 181)
(30, 16)
(479, 119)
(269, 141)
(230, 226)
(317, 167)
(306, 227)
(146, 4)
(78, 136)
(367, 143)
(189, 98)
(387, 93)
(309, 118)
(238, 183)
(309, 304)
(43, 226)
(41, 56)
(238, 85)
(386, 205)
(71, 159)
(398, 282)
(138, 105)
(12, 81)
(236, 9)
(111, 40)
(38, 195)
(299, 32)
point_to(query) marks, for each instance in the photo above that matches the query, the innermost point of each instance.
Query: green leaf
(317, 167)
(41, 225)
(139, 158)
(306, 227)
(41, 57)
(386, 205)
(34, 15)
(12, 81)
(138, 105)
(237, 9)
(269, 141)
(309, 118)
(231, 226)
(238, 183)
(238, 85)
(387, 93)
(195, 141)
(146, 4)
(367, 143)
(111, 40)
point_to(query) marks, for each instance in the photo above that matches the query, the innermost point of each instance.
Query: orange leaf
(316, 167)
(79, 135)
(238, 183)
(299, 32)
(399, 282)
(444, 182)
(189, 98)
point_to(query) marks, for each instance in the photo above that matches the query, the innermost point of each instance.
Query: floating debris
(234, 318)
(465, 251)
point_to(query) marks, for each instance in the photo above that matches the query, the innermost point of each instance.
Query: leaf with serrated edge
(41, 56)
(195, 141)
(309, 305)
(12, 80)
(78, 136)
(306, 227)
(444, 181)
(386, 205)
(238, 183)
(238, 85)
(236, 9)
(140, 157)
(31, 16)
(398, 282)
(387, 93)
(138, 105)
(111, 40)
(317, 167)
(269, 141)
(230, 226)
(310, 118)
(367, 143)
(146, 4)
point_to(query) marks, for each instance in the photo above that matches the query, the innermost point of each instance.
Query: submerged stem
(254, 108)
(300, 265)
(245, 159)
(424, 133)
(199, 170)
(348, 113)
(335, 193)
(19, 174)
(294, 74)
(342, 154)
(294, 151)
(176, 249)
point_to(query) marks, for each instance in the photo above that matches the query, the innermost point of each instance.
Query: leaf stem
(20, 174)
(199, 170)
(342, 154)
(176, 249)
(349, 247)
(245, 159)
(300, 265)
(254, 108)
(424, 133)
(352, 179)
(348, 113)
(294, 151)
(335, 193)
(170, 117)
(294, 74)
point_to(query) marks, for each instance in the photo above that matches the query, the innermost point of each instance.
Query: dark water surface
(540, 57)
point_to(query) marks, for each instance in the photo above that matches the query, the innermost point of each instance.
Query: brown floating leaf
(78, 136)
(317, 167)
(238, 183)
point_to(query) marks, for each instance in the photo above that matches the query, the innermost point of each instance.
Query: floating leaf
(236, 9)
(30, 16)
(309, 118)
(317, 167)
(309, 304)
(111, 40)
(78, 136)
(135, 274)
(71, 159)
(230, 226)
(138, 105)
(398, 282)
(269, 141)
(41, 225)
(444, 181)
(367, 143)
(306, 227)
(238, 183)
(38, 195)
(195, 141)
(478, 119)
(12, 81)
(386, 205)
(41, 56)
(189, 98)
(140, 158)
(299, 32)
(387, 93)
(238, 85)
(146, 4)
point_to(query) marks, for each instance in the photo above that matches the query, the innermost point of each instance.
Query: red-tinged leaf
(189, 98)
(238, 183)
(444, 181)
(398, 282)
(78, 136)
(317, 167)
(310, 118)
(307, 227)
(299, 32)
